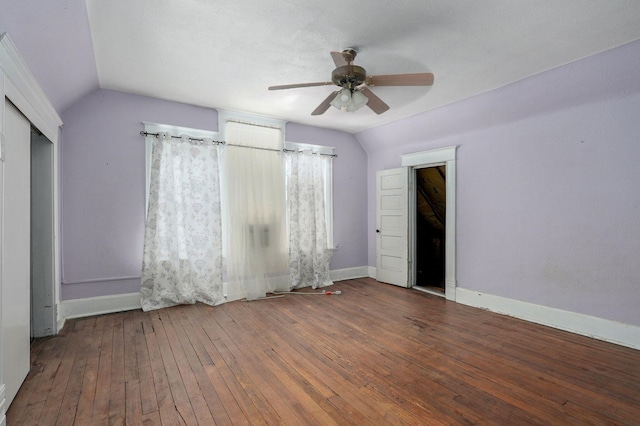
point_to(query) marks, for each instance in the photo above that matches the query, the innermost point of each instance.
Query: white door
(16, 250)
(392, 226)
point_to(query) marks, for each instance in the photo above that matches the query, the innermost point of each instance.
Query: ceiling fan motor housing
(348, 76)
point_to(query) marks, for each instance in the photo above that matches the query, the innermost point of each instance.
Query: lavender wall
(547, 185)
(103, 188)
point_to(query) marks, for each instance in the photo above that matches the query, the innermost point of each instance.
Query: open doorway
(430, 228)
(43, 313)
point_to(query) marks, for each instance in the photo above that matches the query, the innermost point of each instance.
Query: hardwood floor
(377, 354)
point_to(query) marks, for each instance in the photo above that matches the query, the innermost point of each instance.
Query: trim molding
(99, 280)
(349, 273)
(597, 328)
(86, 307)
(25, 92)
(432, 156)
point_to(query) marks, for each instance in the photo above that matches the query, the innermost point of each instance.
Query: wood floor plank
(507, 394)
(182, 351)
(151, 419)
(51, 410)
(250, 340)
(133, 393)
(377, 354)
(342, 381)
(248, 378)
(177, 387)
(220, 395)
(117, 402)
(69, 406)
(100, 414)
(149, 399)
(46, 357)
(398, 354)
(86, 400)
(198, 359)
(226, 368)
(373, 378)
(166, 407)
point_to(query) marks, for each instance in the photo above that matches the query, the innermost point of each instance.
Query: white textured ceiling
(225, 53)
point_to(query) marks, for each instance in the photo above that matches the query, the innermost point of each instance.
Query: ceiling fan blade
(295, 86)
(419, 79)
(342, 58)
(376, 104)
(324, 105)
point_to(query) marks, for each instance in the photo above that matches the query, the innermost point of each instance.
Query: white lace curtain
(309, 255)
(185, 240)
(182, 260)
(256, 238)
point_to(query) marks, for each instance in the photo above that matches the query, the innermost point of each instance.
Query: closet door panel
(16, 251)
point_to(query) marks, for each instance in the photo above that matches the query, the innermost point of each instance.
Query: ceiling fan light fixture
(342, 99)
(358, 100)
(348, 100)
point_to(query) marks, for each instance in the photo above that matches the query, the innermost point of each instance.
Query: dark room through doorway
(431, 200)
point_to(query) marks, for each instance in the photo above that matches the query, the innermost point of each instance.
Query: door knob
(378, 231)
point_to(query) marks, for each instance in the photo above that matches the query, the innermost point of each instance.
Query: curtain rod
(144, 133)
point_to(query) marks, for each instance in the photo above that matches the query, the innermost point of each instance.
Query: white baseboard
(86, 307)
(61, 321)
(371, 271)
(598, 328)
(349, 273)
(3, 409)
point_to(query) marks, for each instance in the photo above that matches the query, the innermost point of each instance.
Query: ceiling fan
(354, 83)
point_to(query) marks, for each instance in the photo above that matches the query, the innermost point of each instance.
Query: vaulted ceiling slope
(55, 40)
(224, 54)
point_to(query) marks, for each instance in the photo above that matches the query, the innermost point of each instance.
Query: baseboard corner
(371, 272)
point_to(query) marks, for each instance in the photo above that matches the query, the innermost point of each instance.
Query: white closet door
(16, 251)
(392, 226)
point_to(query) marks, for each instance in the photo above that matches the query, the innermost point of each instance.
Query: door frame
(43, 313)
(430, 158)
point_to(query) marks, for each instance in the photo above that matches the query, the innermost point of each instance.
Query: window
(229, 117)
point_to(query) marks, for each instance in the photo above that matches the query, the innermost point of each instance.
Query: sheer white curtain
(255, 211)
(182, 261)
(309, 255)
